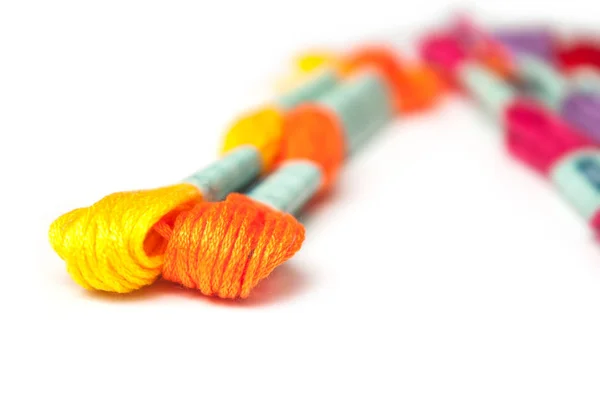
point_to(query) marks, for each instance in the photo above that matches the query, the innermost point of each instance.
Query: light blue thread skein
(577, 177)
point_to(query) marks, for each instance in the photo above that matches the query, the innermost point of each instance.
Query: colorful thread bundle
(581, 108)
(533, 134)
(201, 233)
(205, 233)
(123, 242)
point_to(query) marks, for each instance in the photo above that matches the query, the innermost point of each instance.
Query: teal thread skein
(491, 92)
(577, 177)
(232, 173)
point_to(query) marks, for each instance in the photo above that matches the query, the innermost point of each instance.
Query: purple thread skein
(530, 41)
(582, 111)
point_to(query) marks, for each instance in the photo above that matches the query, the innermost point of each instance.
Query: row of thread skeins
(534, 130)
(202, 233)
(563, 72)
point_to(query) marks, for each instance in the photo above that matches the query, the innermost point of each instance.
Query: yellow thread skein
(261, 128)
(110, 245)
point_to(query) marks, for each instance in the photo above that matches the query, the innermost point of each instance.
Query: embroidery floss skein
(535, 41)
(579, 52)
(225, 249)
(582, 110)
(533, 135)
(113, 245)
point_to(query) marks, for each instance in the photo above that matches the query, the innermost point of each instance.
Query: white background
(439, 268)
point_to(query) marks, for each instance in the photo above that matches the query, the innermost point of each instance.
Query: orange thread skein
(224, 249)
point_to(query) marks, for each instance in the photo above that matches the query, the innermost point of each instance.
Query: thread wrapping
(362, 105)
(314, 86)
(491, 92)
(577, 178)
(232, 173)
(290, 187)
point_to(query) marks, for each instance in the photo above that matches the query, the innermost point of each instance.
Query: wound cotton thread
(114, 246)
